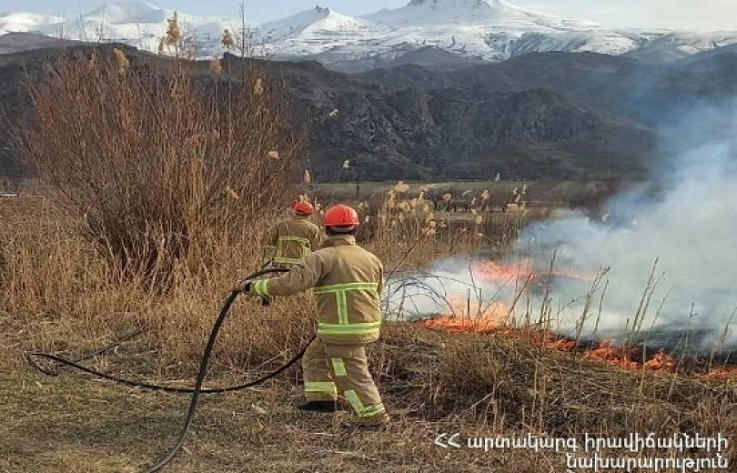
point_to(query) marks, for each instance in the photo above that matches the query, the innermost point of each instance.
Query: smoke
(670, 246)
(688, 223)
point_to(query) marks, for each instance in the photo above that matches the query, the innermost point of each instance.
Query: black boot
(318, 406)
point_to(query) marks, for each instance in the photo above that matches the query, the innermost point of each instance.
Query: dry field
(114, 243)
(58, 295)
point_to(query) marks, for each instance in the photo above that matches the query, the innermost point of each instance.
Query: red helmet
(341, 216)
(303, 208)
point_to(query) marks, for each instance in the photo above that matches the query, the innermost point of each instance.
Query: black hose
(197, 390)
(198, 386)
(74, 363)
(156, 387)
(203, 371)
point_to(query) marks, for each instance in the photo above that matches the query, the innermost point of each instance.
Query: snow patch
(491, 30)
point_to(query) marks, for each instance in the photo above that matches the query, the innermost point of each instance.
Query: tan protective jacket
(292, 239)
(347, 282)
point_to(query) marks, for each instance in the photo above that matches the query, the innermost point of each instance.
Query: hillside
(539, 116)
(17, 42)
(407, 132)
(615, 86)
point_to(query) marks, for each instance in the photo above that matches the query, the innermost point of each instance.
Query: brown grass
(57, 296)
(159, 163)
(59, 292)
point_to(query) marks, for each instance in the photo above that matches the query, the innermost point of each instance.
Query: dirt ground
(432, 383)
(72, 424)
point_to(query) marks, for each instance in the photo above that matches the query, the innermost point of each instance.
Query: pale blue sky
(685, 14)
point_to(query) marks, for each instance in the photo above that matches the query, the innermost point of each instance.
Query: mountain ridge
(488, 30)
(543, 115)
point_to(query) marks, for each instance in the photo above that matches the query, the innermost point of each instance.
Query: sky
(705, 15)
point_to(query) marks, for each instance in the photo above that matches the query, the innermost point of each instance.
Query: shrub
(158, 160)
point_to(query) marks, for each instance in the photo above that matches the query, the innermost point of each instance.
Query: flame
(490, 271)
(605, 352)
(721, 373)
(608, 352)
(466, 316)
(471, 317)
(496, 272)
(662, 361)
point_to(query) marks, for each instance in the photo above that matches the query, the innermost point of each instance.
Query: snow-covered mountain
(478, 30)
(22, 22)
(464, 12)
(138, 24)
(313, 32)
(490, 30)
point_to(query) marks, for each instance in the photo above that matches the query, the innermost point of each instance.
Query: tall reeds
(158, 161)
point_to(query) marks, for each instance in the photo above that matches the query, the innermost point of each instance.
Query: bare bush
(158, 161)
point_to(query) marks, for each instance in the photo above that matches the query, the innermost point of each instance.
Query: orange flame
(608, 352)
(722, 373)
(472, 317)
(496, 272)
(662, 361)
(491, 271)
(605, 352)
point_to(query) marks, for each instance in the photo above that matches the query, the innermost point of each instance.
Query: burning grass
(60, 293)
(58, 296)
(514, 385)
(633, 358)
(501, 298)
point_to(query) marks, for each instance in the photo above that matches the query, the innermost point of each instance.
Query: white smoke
(685, 217)
(689, 224)
(452, 286)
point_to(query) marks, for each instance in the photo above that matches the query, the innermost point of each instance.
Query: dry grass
(160, 164)
(63, 294)
(121, 431)
(433, 383)
(512, 385)
(59, 292)
(57, 296)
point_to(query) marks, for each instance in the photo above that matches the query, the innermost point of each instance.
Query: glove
(243, 286)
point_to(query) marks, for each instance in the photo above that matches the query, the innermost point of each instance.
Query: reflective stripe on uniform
(283, 260)
(306, 245)
(339, 367)
(361, 410)
(348, 329)
(344, 325)
(342, 301)
(352, 286)
(261, 287)
(327, 387)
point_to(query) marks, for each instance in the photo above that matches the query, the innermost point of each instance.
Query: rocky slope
(544, 115)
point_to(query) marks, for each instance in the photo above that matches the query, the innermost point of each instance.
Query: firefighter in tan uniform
(290, 240)
(347, 282)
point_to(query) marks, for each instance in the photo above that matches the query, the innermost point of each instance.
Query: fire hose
(196, 391)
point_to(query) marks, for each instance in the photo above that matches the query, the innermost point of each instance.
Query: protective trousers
(331, 369)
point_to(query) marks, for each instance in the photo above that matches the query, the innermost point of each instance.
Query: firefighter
(290, 240)
(347, 281)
